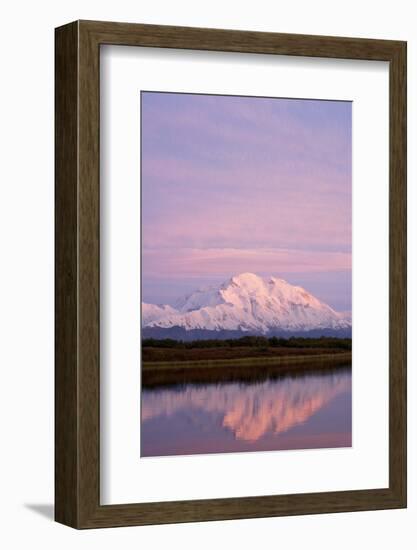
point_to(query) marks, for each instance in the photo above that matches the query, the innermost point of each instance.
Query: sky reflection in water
(301, 412)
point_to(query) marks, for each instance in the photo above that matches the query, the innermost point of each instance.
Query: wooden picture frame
(77, 373)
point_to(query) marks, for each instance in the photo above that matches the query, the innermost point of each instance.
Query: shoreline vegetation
(168, 362)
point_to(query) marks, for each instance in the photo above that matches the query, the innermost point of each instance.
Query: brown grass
(243, 368)
(165, 355)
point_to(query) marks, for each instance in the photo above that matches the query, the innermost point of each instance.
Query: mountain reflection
(249, 411)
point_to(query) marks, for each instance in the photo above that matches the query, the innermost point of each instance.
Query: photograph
(246, 273)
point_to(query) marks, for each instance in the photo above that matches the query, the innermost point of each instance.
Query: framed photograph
(230, 274)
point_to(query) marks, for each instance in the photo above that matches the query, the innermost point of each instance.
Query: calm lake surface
(302, 411)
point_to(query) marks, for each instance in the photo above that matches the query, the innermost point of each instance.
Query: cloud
(223, 262)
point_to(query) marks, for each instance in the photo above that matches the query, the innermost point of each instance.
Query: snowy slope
(247, 302)
(152, 313)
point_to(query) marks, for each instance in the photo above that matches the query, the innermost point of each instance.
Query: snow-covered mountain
(250, 304)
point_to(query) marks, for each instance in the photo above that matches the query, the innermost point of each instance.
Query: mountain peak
(248, 302)
(247, 279)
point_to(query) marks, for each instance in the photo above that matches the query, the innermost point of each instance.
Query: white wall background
(26, 272)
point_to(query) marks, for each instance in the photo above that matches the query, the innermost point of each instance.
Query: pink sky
(235, 184)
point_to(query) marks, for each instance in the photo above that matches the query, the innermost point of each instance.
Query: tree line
(253, 342)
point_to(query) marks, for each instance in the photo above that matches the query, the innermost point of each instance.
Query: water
(305, 411)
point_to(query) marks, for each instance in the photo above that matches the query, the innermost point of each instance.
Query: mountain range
(245, 304)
